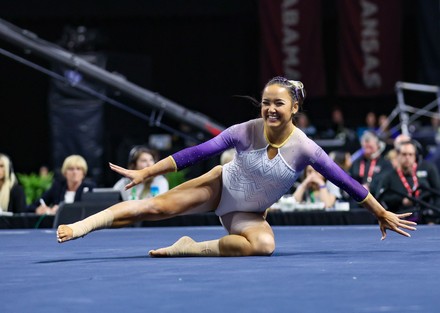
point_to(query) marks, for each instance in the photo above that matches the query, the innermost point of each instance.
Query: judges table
(319, 217)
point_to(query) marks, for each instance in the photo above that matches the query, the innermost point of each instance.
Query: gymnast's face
(277, 107)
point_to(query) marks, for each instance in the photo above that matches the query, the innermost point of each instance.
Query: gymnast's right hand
(136, 176)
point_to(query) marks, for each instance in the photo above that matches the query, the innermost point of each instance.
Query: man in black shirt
(371, 166)
(420, 181)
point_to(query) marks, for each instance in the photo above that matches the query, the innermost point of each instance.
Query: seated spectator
(303, 123)
(370, 124)
(139, 158)
(371, 166)
(409, 179)
(385, 133)
(337, 128)
(315, 188)
(342, 158)
(392, 153)
(391, 156)
(12, 198)
(399, 139)
(67, 190)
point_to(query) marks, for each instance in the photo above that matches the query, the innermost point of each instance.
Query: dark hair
(136, 152)
(295, 87)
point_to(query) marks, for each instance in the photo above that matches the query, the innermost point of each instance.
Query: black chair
(72, 212)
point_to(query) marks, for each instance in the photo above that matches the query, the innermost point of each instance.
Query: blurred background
(205, 55)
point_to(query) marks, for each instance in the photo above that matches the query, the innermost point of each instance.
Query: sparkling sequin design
(254, 182)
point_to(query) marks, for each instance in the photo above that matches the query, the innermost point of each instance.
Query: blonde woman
(68, 190)
(12, 198)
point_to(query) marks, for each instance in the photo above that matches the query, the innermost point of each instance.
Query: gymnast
(270, 154)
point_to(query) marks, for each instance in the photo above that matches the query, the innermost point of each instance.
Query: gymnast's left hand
(395, 222)
(135, 176)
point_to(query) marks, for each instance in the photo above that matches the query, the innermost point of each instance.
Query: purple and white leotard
(251, 181)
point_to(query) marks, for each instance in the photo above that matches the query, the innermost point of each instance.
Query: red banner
(291, 42)
(369, 47)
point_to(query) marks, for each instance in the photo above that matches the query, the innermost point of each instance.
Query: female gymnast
(271, 153)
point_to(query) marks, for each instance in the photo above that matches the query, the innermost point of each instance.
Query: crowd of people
(389, 166)
(398, 175)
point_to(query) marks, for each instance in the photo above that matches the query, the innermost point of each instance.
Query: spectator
(384, 132)
(338, 129)
(342, 158)
(370, 167)
(12, 198)
(303, 123)
(68, 190)
(141, 157)
(420, 181)
(315, 188)
(370, 124)
(399, 139)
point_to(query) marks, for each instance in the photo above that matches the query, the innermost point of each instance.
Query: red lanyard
(405, 182)
(370, 169)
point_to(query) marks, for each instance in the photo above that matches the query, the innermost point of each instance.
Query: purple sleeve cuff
(339, 177)
(203, 151)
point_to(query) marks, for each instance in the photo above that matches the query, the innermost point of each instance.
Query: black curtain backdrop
(201, 54)
(429, 41)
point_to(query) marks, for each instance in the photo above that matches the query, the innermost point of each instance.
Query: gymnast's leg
(201, 194)
(249, 234)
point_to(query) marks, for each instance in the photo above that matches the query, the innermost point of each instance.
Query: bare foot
(179, 248)
(64, 233)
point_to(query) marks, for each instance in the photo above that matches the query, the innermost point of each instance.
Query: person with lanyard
(370, 167)
(409, 181)
(271, 152)
(140, 157)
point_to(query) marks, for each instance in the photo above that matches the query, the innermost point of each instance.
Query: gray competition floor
(314, 269)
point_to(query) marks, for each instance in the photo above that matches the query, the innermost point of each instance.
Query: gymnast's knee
(264, 245)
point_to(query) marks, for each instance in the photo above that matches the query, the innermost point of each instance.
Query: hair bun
(300, 92)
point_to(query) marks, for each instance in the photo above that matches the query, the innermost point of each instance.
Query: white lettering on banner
(370, 44)
(290, 18)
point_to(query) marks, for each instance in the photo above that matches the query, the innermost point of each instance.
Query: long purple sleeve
(330, 170)
(203, 151)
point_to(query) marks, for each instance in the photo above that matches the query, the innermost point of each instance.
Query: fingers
(129, 185)
(407, 225)
(399, 231)
(384, 232)
(403, 215)
(117, 168)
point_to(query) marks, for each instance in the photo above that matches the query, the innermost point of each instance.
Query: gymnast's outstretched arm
(387, 220)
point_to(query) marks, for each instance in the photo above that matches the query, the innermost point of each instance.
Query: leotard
(251, 181)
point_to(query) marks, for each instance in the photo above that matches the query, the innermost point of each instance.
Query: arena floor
(314, 269)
